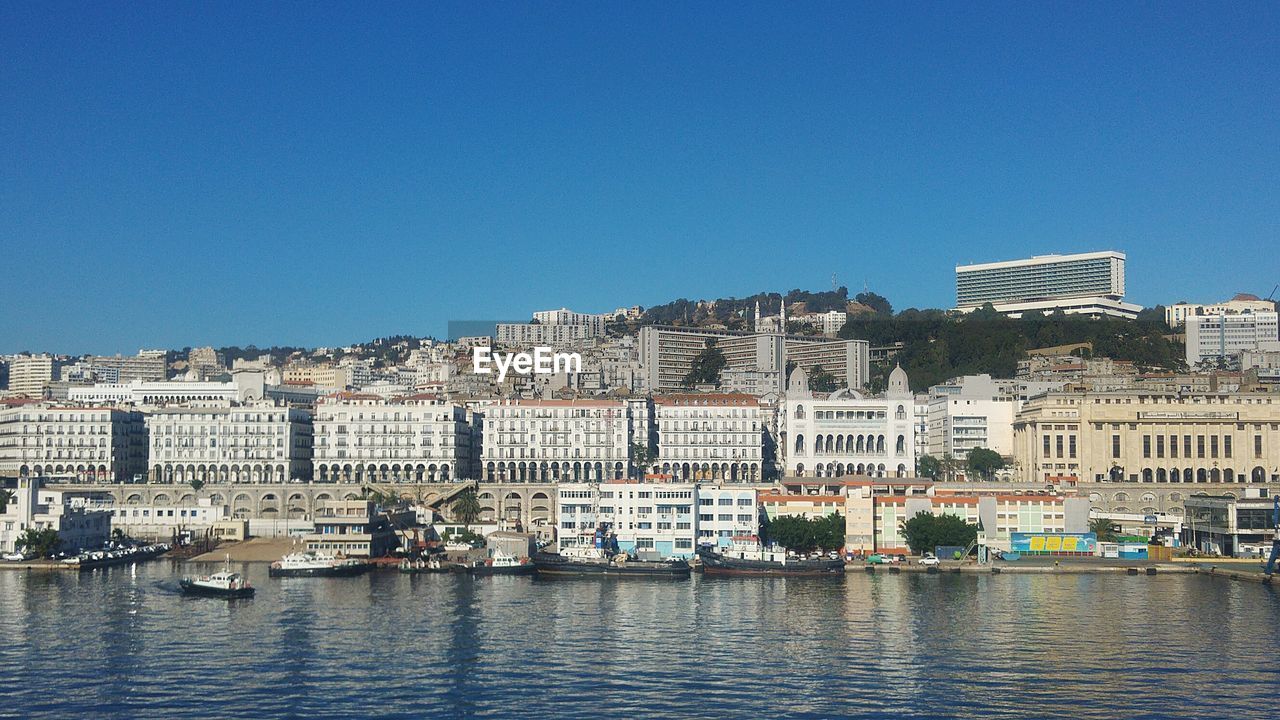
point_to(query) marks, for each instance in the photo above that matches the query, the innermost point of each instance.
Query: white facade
(977, 411)
(259, 443)
(593, 322)
(1211, 337)
(710, 436)
(848, 434)
(668, 518)
(520, 335)
(362, 438)
(557, 440)
(1083, 283)
(162, 520)
(79, 524)
(85, 444)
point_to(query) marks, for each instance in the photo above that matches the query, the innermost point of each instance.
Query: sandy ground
(251, 550)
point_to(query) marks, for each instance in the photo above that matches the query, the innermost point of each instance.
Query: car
(930, 560)
(18, 556)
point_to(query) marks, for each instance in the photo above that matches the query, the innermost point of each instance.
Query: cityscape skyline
(484, 162)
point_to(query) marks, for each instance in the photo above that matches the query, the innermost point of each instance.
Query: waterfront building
(256, 443)
(1083, 283)
(557, 440)
(1229, 525)
(84, 444)
(846, 433)
(363, 438)
(356, 529)
(667, 355)
(1218, 337)
(710, 436)
(668, 518)
(1143, 436)
(1177, 313)
(79, 524)
(161, 521)
(30, 374)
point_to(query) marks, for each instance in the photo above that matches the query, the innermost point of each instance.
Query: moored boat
(741, 559)
(434, 564)
(501, 564)
(593, 562)
(314, 564)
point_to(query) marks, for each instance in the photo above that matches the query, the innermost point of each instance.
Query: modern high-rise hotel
(1083, 283)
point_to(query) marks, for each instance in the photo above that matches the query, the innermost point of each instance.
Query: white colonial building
(846, 433)
(260, 443)
(75, 443)
(79, 522)
(710, 436)
(558, 440)
(363, 438)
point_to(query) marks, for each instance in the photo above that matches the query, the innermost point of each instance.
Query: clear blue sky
(311, 173)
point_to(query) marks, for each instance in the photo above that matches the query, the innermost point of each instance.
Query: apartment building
(256, 443)
(558, 440)
(360, 437)
(1082, 283)
(82, 444)
(710, 436)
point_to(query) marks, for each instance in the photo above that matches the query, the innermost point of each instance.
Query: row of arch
(511, 506)
(723, 471)
(553, 471)
(83, 472)
(236, 473)
(1199, 475)
(394, 472)
(850, 444)
(833, 470)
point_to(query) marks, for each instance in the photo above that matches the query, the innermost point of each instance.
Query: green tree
(641, 456)
(42, 541)
(926, 531)
(822, 381)
(793, 533)
(706, 366)
(196, 484)
(829, 532)
(929, 466)
(6, 497)
(984, 463)
(1103, 528)
(466, 507)
(875, 302)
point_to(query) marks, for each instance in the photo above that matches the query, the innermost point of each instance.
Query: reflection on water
(123, 643)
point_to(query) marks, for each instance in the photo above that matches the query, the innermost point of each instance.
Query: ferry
(315, 564)
(225, 584)
(595, 562)
(748, 558)
(500, 564)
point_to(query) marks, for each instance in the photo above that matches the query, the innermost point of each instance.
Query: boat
(434, 564)
(595, 562)
(500, 564)
(225, 584)
(753, 559)
(316, 564)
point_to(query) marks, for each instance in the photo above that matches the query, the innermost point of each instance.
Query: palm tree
(466, 507)
(1103, 528)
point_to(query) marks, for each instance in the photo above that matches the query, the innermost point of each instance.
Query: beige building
(1149, 437)
(29, 374)
(558, 440)
(323, 376)
(710, 436)
(259, 443)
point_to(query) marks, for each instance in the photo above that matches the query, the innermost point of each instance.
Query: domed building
(847, 433)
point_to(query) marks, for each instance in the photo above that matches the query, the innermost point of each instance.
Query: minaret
(756, 326)
(783, 317)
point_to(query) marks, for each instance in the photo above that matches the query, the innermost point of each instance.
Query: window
(1046, 445)
(1186, 446)
(1226, 446)
(1115, 446)
(1071, 446)
(744, 518)
(1146, 446)
(1159, 446)
(1058, 444)
(1213, 446)
(725, 502)
(1257, 446)
(1173, 446)
(725, 517)
(1199, 446)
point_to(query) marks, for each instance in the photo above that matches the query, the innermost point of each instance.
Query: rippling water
(123, 643)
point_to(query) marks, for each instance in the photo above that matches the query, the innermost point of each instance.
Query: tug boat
(752, 559)
(225, 584)
(595, 562)
(314, 564)
(500, 564)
